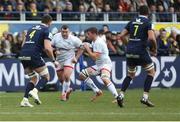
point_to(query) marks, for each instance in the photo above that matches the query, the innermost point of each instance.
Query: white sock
(122, 94)
(145, 96)
(25, 99)
(65, 86)
(35, 90)
(112, 89)
(91, 84)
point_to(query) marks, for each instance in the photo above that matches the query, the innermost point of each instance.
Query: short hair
(64, 27)
(92, 30)
(143, 10)
(46, 19)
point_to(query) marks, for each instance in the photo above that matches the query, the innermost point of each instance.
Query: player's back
(138, 34)
(34, 43)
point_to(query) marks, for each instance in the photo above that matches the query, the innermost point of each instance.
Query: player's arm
(80, 49)
(93, 55)
(152, 38)
(123, 34)
(110, 46)
(48, 49)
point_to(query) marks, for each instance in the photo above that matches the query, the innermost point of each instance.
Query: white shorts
(66, 63)
(98, 69)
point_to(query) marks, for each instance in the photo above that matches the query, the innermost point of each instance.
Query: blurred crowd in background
(37, 8)
(168, 43)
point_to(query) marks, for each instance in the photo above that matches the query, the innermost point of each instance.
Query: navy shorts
(143, 59)
(31, 61)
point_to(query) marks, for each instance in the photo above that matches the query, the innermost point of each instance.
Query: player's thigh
(87, 72)
(93, 71)
(68, 68)
(43, 71)
(148, 64)
(67, 72)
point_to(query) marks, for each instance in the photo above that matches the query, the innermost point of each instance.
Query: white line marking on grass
(85, 113)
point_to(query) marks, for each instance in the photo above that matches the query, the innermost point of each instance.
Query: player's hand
(74, 60)
(87, 46)
(56, 64)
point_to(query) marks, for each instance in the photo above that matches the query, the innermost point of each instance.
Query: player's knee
(105, 77)
(151, 72)
(66, 77)
(33, 77)
(46, 77)
(131, 72)
(44, 73)
(132, 75)
(83, 74)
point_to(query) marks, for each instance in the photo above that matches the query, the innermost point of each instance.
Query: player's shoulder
(73, 38)
(57, 35)
(99, 41)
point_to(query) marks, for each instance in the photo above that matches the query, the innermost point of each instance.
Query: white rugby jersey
(99, 46)
(65, 47)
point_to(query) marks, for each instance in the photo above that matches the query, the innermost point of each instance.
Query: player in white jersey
(65, 45)
(103, 66)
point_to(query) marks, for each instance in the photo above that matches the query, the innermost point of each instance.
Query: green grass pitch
(79, 107)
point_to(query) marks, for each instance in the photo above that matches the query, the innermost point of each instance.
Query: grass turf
(79, 107)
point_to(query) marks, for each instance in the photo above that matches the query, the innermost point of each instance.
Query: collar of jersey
(44, 24)
(143, 16)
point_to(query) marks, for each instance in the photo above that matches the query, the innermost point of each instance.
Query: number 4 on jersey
(32, 34)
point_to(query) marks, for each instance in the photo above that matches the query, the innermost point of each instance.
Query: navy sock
(29, 87)
(42, 82)
(147, 83)
(126, 83)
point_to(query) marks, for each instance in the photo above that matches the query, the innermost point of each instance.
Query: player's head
(92, 33)
(46, 19)
(143, 10)
(65, 31)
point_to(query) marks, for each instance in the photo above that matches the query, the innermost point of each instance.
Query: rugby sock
(145, 95)
(91, 84)
(65, 86)
(122, 94)
(147, 83)
(42, 82)
(29, 87)
(126, 83)
(112, 89)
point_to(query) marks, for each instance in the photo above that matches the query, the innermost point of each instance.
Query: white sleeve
(53, 42)
(77, 42)
(98, 47)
